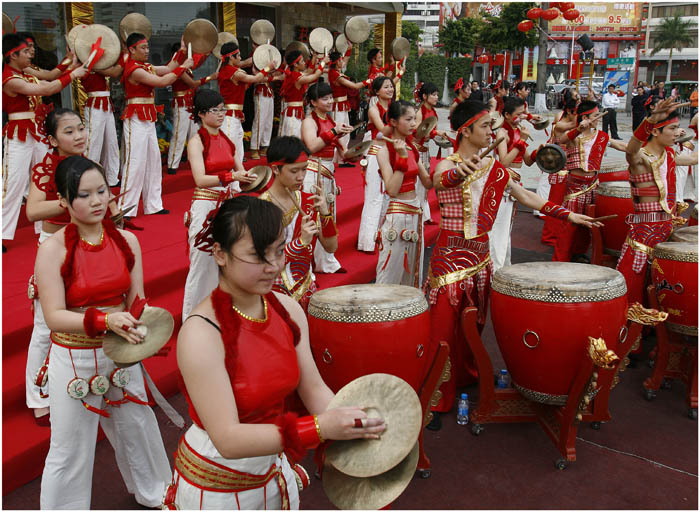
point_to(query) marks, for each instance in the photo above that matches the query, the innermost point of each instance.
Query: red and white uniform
(141, 162)
(293, 98)
(102, 146)
(557, 190)
(99, 276)
(424, 150)
(261, 133)
(234, 95)
(341, 106)
(184, 126)
(22, 148)
(373, 73)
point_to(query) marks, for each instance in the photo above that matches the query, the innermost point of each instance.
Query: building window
(668, 11)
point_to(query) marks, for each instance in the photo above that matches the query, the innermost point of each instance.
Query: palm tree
(672, 33)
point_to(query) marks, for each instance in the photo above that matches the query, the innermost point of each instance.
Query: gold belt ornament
(340, 100)
(581, 192)
(208, 194)
(76, 340)
(396, 207)
(313, 165)
(180, 94)
(234, 106)
(457, 275)
(295, 104)
(638, 246)
(140, 101)
(98, 94)
(17, 116)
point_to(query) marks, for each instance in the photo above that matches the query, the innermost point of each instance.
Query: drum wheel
(595, 425)
(649, 394)
(561, 464)
(477, 429)
(425, 473)
(693, 413)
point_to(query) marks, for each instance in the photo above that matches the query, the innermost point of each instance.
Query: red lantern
(571, 14)
(483, 59)
(565, 6)
(525, 25)
(550, 14)
(534, 13)
(553, 5)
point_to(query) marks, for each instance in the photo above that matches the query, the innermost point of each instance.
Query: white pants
(18, 159)
(372, 209)
(262, 124)
(393, 255)
(324, 261)
(203, 275)
(233, 129)
(141, 167)
(686, 185)
(341, 118)
(132, 430)
(499, 237)
(421, 191)
(183, 130)
(291, 126)
(189, 497)
(103, 146)
(542, 190)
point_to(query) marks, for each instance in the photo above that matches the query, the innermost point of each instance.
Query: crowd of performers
(253, 256)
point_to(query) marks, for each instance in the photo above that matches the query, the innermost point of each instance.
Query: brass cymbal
(135, 22)
(357, 150)
(400, 48)
(298, 45)
(373, 493)
(551, 158)
(73, 34)
(110, 44)
(45, 41)
(157, 323)
(321, 40)
(427, 125)
(442, 142)
(8, 27)
(262, 32)
(202, 34)
(267, 56)
(263, 173)
(685, 137)
(222, 39)
(379, 394)
(341, 44)
(496, 120)
(540, 125)
(357, 30)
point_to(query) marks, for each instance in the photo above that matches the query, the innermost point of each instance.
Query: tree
(412, 32)
(460, 35)
(672, 33)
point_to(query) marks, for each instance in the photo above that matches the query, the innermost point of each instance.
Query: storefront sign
(601, 17)
(620, 61)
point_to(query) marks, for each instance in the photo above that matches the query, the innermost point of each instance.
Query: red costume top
(293, 96)
(382, 114)
(218, 152)
(183, 95)
(340, 92)
(323, 125)
(586, 151)
(410, 170)
(234, 94)
(96, 85)
(19, 105)
(44, 177)
(513, 139)
(374, 71)
(96, 275)
(264, 89)
(663, 175)
(260, 359)
(139, 97)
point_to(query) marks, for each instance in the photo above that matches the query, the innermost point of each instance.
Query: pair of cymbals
(267, 56)
(551, 158)
(263, 174)
(321, 40)
(426, 127)
(358, 150)
(372, 473)
(202, 35)
(222, 39)
(262, 32)
(135, 22)
(400, 48)
(86, 37)
(157, 327)
(540, 125)
(497, 120)
(357, 30)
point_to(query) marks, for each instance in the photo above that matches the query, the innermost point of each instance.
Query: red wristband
(306, 428)
(555, 210)
(65, 79)
(529, 116)
(296, 433)
(572, 134)
(225, 178)
(63, 65)
(450, 178)
(533, 155)
(328, 227)
(94, 322)
(521, 146)
(643, 131)
(178, 71)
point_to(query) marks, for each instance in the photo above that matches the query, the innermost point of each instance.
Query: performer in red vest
(463, 92)
(141, 163)
(293, 91)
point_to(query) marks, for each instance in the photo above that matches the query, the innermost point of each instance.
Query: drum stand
(599, 255)
(587, 397)
(676, 358)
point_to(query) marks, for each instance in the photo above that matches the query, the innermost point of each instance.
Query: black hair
(427, 89)
(464, 112)
(584, 106)
(318, 90)
(27, 36)
(51, 122)
(10, 41)
(398, 108)
(70, 171)
(521, 85)
(372, 54)
(505, 85)
(511, 103)
(175, 47)
(611, 85)
(668, 117)
(286, 149)
(262, 218)
(335, 57)
(290, 57)
(378, 82)
(569, 105)
(228, 48)
(204, 99)
(134, 37)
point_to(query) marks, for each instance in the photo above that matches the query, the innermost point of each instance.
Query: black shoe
(162, 212)
(436, 423)
(172, 171)
(617, 138)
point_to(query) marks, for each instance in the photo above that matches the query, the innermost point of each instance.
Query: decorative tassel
(388, 257)
(405, 261)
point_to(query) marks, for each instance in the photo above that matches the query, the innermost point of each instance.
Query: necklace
(248, 317)
(102, 237)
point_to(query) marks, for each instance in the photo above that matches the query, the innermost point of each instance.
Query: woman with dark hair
(463, 91)
(401, 246)
(241, 353)
(320, 135)
(89, 274)
(217, 171)
(382, 89)
(340, 85)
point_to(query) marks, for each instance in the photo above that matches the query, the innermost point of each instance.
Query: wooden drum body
(614, 197)
(674, 273)
(356, 330)
(543, 314)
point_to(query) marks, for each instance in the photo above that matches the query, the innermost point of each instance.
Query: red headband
(144, 40)
(227, 55)
(296, 60)
(672, 120)
(21, 46)
(591, 111)
(303, 157)
(473, 120)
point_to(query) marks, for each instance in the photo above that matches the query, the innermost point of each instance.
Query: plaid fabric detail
(575, 184)
(646, 233)
(642, 178)
(451, 209)
(556, 178)
(653, 206)
(573, 158)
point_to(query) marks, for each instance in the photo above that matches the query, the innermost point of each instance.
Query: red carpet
(165, 262)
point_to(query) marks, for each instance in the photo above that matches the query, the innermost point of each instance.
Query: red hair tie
(303, 157)
(459, 84)
(144, 40)
(227, 55)
(19, 47)
(296, 60)
(473, 120)
(416, 92)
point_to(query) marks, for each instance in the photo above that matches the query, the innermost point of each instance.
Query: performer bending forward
(89, 273)
(469, 189)
(241, 353)
(401, 234)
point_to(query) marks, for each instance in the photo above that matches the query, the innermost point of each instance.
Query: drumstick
(381, 136)
(606, 217)
(294, 200)
(114, 198)
(189, 50)
(89, 60)
(219, 66)
(491, 147)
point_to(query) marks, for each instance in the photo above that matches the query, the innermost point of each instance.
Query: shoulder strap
(209, 321)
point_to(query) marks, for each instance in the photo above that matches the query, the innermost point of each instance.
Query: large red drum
(685, 234)
(614, 197)
(674, 273)
(543, 314)
(356, 330)
(614, 172)
(693, 220)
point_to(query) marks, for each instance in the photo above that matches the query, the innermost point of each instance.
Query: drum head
(262, 32)
(110, 44)
(367, 303)
(357, 30)
(202, 34)
(685, 234)
(497, 120)
(263, 175)
(400, 48)
(135, 22)
(8, 27)
(615, 189)
(321, 40)
(341, 44)
(73, 34)
(298, 45)
(555, 281)
(677, 251)
(551, 158)
(222, 39)
(267, 56)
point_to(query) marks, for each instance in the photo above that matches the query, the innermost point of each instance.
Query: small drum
(685, 234)
(543, 314)
(693, 221)
(355, 330)
(614, 172)
(674, 273)
(614, 197)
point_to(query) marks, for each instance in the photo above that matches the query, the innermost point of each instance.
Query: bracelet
(225, 178)
(107, 322)
(178, 71)
(65, 79)
(94, 322)
(450, 178)
(328, 228)
(64, 64)
(204, 80)
(307, 431)
(533, 155)
(643, 131)
(572, 134)
(555, 210)
(318, 429)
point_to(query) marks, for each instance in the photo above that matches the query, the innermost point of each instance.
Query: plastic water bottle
(503, 379)
(463, 410)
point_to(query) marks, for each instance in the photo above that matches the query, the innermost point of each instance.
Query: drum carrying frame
(675, 358)
(587, 397)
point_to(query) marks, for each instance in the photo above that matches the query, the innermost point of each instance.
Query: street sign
(621, 61)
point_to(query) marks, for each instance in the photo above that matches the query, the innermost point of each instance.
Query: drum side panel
(676, 284)
(614, 231)
(558, 334)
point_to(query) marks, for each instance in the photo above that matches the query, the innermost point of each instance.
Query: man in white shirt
(610, 102)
